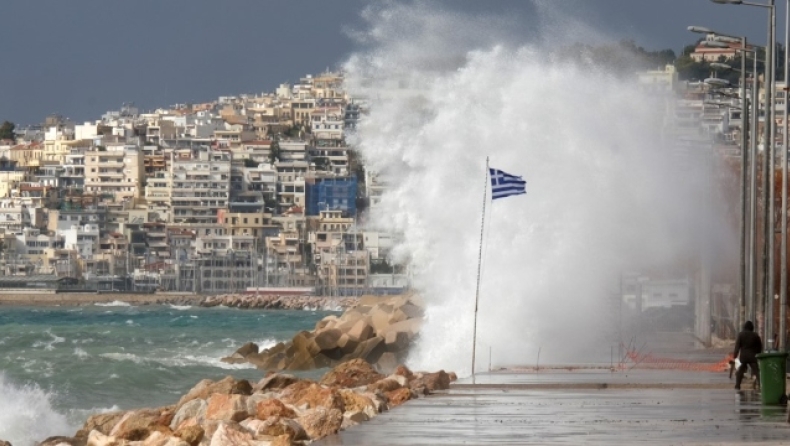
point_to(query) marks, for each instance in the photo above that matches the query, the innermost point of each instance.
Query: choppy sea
(58, 365)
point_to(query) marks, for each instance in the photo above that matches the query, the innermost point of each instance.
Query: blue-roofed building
(332, 194)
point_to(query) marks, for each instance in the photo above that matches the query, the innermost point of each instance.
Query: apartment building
(157, 196)
(115, 173)
(291, 185)
(200, 187)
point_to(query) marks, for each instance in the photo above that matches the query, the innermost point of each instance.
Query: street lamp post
(746, 224)
(749, 106)
(783, 237)
(768, 162)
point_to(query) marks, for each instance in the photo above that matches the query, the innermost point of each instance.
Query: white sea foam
(49, 344)
(27, 415)
(181, 360)
(604, 196)
(266, 343)
(117, 356)
(115, 303)
(80, 353)
(181, 307)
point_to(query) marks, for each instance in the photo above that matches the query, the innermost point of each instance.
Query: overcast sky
(81, 58)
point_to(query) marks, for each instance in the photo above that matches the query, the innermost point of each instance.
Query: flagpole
(479, 263)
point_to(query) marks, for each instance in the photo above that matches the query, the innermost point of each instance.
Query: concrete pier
(571, 407)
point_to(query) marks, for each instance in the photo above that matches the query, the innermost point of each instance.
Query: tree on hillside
(621, 58)
(7, 130)
(274, 151)
(321, 162)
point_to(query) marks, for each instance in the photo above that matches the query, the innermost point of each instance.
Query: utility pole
(768, 180)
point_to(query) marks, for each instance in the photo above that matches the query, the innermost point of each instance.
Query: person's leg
(739, 375)
(756, 372)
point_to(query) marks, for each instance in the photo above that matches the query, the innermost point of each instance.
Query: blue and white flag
(504, 184)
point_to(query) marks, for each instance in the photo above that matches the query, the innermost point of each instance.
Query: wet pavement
(558, 407)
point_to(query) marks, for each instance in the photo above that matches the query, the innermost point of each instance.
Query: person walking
(748, 345)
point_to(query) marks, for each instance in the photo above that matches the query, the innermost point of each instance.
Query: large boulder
(327, 322)
(275, 381)
(137, 424)
(313, 395)
(193, 435)
(304, 341)
(384, 385)
(353, 373)
(205, 388)
(301, 360)
(432, 381)
(275, 427)
(224, 407)
(360, 331)
(355, 402)
(412, 311)
(232, 434)
(320, 422)
(381, 317)
(410, 326)
(327, 339)
(103, 423)
(352, 418)
(191, 409)
(247, 349)
(96, 438)
(370, 350)
(397, 341)
(387, 362)
(399, 396)
(273, 408)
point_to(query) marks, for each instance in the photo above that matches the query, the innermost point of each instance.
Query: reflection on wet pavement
(510, 409)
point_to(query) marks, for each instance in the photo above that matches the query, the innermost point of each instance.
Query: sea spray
(27, 415)
(606, 191)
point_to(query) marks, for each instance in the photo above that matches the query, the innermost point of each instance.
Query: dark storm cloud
(84, 57)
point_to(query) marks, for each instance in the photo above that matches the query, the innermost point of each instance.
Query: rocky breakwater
(378, 330)
(269, 302)
(279, 410)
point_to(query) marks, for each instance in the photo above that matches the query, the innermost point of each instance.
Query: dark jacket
(748, 344)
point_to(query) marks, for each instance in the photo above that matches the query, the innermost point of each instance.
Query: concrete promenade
(586, 406)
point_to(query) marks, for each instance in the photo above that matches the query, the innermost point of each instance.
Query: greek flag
(504, 184)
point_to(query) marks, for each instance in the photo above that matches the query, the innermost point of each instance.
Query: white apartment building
(291, 184)
(328, 123)
(31, 242)
(115, 173)
(293, 151)
(261, 179)
(13, 217)
(336, 155)
(82, 238)
(374, 187)
(200, 187)
(73, 175)
(378, 244)
(157, 195)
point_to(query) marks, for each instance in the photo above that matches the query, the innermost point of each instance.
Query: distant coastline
(263, 302)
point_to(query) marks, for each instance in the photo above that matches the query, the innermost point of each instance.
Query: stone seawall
(245, 301)
(269, 302)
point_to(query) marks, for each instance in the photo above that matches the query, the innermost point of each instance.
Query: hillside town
(250, 192)
(242, 192)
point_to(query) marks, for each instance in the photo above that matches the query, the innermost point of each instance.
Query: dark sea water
(60, 364)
